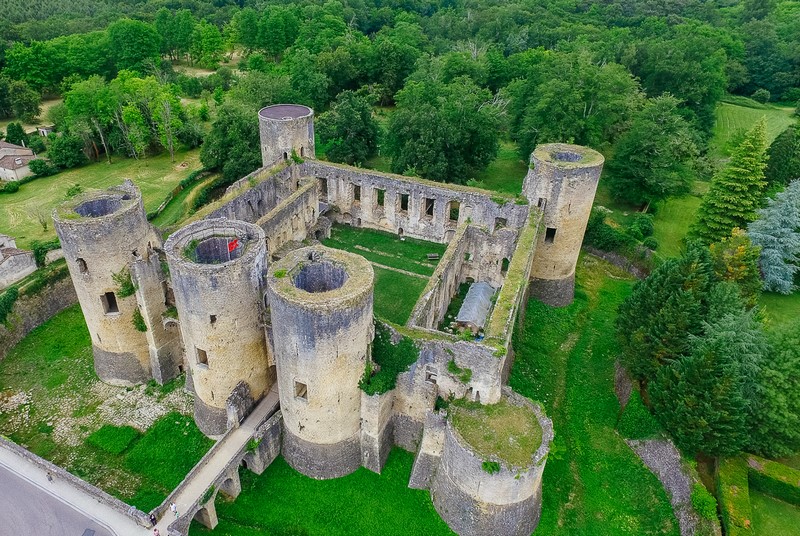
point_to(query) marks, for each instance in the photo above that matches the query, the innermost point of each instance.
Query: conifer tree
(703, 399)
(784, 158)
(736, 260)
(777, 232)
(736, 191)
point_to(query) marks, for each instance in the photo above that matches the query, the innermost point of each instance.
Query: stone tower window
(202, 357)
(499, 223)
(302, 151)
(285, 155)
(300, 390)
(356, 193)
(82, 266)
(379, 195)
(455, 208)
(504, 267)
(550, 235)
(212, 319)
(542, 203)
(429, 206)
(404, 202)
(109, 301)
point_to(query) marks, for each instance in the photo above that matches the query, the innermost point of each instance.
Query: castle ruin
(245, 298)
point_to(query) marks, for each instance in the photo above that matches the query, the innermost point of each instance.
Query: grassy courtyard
(283, 502)
(593, 482)
(135, 443)
(155, 177)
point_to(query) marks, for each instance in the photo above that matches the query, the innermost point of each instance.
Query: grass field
(732, 119)
(40, 121)
(772, 517)
(781, 309)
(506, 172)
(52, 403)
(396, 294)
(283, 502)
(155, 176)
(672, 221)
(386, 248)
(593, 482)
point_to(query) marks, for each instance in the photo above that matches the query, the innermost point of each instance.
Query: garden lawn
(593, 482)
(772, 517)
(155, 177)
(54, 405)
(781, 308)
(671, 223)
(283, 502)
(732, 119)
(506, 172)
(385, 248)
(396, 294)
(40, 121)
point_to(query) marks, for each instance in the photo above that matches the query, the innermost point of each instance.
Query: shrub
(703, 502)
(602, 236)
(113, 439)
(761, 95)
(636, 421)
(40, 249)
(138, 321)
(36, 144)
(392, 359)
(11, 187)
(490, 467)
(774, 479)
(643, 225)
(7, 300)
(42, 168)
(73, 190)
(733, 492)
(125, 284)
(650, 243)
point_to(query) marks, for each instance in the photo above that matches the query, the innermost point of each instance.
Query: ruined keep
(321, 308)
(103, 235)
(217, 268)
(251, 302)
(562, 181)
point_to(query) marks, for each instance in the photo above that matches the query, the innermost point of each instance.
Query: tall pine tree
(736, 191)
(777, 232)
(784, 158)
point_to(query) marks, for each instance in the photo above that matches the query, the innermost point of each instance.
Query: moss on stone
(501, 431)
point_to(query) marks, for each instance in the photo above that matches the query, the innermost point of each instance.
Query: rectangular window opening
(300, 390)
(109, 301)
(356, 193)
(430, 377)
(212, 319)
(379, 195)
(429, 206)
(404, 202)
(499, 223)
(202, 356)
(542, 203)
(549, 235)
(323, 188)
(455, 208)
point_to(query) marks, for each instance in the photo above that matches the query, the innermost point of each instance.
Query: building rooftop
(15, 161)
(477, 304)
(285, 112)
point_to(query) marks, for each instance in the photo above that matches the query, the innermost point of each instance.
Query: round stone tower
(217, 268)
(321, 307)
(562, 181)
(285, 128)
(101, 233)
(478, 489)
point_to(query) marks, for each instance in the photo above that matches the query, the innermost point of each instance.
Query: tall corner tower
(102, 233)
(217, 268)
(321, 307)
(561, 182)
(284, 128)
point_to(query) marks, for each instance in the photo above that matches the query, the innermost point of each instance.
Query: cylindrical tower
(562, 181)
(285, 128)
(489, 479)
(101, 233)
(322, 324)
(217, 268)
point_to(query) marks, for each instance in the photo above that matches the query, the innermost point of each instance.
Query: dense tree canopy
(349, 128)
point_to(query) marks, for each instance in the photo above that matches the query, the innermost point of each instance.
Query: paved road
(27, 509)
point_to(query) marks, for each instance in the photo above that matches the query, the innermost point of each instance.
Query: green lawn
(772, 517)
(593, 483)
(386, 248)
(57, 408)
(155, 176)
(506, 172)
(283, 502)
(732, 119)
(38, 122)
(396, 294)
(781, 309)
(672, 221)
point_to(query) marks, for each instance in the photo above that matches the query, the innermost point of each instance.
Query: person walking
(174, 508)
(153, 520)
(156, 532)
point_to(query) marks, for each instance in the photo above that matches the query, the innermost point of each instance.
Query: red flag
(233, 244)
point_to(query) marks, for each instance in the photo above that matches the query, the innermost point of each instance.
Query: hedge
(733, 492)
(774, 479)
(636, 421)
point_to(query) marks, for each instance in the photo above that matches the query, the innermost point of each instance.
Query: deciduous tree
(349, 128)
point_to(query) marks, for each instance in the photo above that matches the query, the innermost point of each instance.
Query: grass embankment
(772, 517)
(131, 442)
(593, 483)
(155, 177)
(180, 206)
(501, 430)
(732, 120)
(282, 501)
